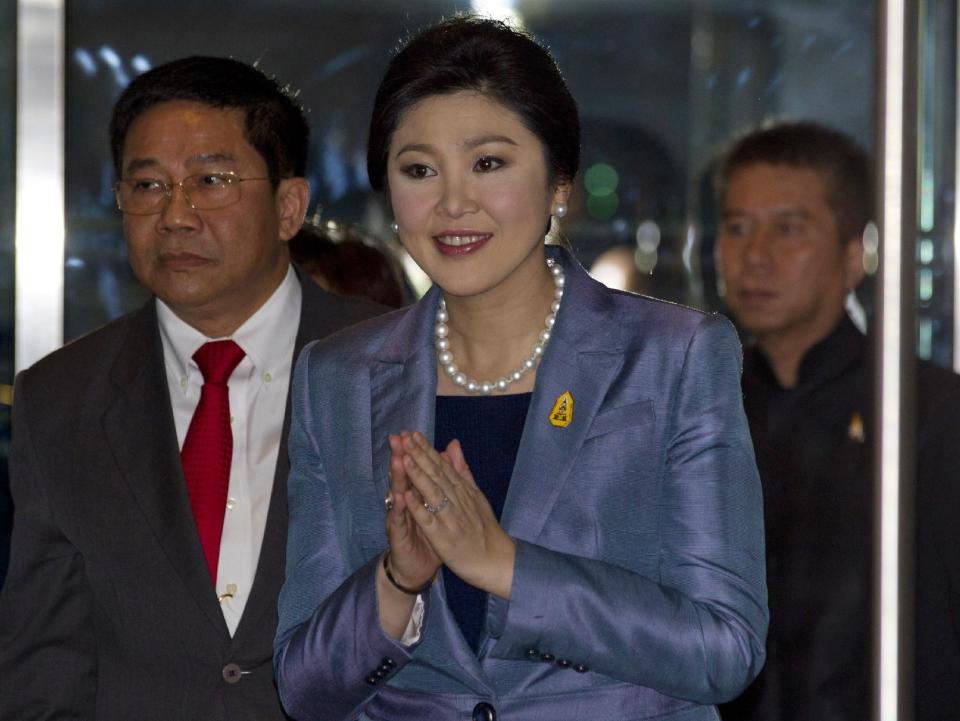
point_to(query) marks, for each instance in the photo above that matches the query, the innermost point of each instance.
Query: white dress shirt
(258, 399)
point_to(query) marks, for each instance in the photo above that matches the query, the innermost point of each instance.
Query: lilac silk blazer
(638, 588)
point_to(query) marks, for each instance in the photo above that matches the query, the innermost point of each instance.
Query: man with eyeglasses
(148, 464)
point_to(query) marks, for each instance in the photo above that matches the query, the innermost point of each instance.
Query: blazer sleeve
(331, 654)
(47, 648)
(697, 630)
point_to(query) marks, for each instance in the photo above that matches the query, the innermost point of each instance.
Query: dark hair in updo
(472, 53)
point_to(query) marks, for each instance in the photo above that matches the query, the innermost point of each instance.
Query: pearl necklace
(445, 355)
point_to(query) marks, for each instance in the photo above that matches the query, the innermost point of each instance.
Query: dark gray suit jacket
(108, 611)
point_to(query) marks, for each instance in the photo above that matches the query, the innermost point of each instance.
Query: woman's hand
(412, 559)
(462, 530)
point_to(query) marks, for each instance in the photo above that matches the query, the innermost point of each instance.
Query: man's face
(214, 268)
(784, 268)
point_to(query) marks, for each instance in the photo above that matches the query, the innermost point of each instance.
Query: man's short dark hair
(275, 124)
(843, 165)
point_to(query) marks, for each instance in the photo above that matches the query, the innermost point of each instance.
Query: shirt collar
(267, 337)
(843, 347)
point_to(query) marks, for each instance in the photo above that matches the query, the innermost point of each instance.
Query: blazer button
(372, 680)
(548, 657)
(484, 712)
(232, 673)
(532, 653)
(563, 663)
(388, 662)
(580, 668)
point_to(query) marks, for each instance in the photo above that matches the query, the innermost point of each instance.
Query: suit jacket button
(580, 668)
(563, 663)
(372, 680)
(484, 712)
(548, 657)
(388, 662)
(532, 653)
(232, 673)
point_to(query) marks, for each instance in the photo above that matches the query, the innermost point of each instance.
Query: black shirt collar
(842, 348)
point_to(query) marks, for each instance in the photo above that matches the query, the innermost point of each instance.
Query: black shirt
(814, 446)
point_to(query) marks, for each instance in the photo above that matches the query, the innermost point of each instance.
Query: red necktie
(208, 447)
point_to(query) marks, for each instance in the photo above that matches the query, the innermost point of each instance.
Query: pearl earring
(561, 210)
(394, 227)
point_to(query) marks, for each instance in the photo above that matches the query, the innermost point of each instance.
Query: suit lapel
(140, 431)
(145, 447)
(583, 357)
(317, 319)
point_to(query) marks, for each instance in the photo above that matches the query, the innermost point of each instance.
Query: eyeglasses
(204, 191)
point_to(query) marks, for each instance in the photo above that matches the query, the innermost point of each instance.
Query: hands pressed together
(440, 517)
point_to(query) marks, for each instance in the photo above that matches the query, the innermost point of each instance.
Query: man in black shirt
(795, 199)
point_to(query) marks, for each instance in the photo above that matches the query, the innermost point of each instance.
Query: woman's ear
(561, 194)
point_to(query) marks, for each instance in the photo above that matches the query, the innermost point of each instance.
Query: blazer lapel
(403, 384)
(583, 357)
(403, 391)
(444, 646)
(140, 431)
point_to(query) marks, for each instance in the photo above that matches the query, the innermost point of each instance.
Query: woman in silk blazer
(632, 524)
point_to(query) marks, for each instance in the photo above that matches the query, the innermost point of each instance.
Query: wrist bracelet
(398, 586)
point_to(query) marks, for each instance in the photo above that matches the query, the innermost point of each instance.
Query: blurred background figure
(632, 267)
(795, 199)
(628, 212)
(345, 259)
(617, 268)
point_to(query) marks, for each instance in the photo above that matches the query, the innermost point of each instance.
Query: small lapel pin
(229, 593)
(855, 429)
(562, 414)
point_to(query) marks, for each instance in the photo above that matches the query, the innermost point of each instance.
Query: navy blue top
(489, 430)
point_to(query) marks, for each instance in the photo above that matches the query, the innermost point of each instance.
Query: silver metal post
(895, 457)
(39, 235)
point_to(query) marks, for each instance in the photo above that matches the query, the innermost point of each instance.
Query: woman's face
(470, 193)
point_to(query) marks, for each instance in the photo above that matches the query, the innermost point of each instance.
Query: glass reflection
(662, 85)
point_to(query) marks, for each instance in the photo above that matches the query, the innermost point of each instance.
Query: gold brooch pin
(855, 429)
(562, 414)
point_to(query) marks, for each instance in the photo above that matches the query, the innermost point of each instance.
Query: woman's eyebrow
(484, 139)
